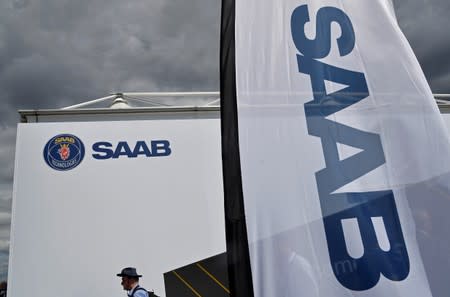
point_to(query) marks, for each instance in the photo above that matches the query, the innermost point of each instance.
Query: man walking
(130, 282)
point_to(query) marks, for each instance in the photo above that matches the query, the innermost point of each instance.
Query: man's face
(126, 283)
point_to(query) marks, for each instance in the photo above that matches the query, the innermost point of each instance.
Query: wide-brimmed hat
(130, 272)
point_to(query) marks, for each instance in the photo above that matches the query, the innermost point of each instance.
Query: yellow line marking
(187, 284)
(213, 278)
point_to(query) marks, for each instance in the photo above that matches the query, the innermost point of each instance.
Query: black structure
(239, 270)
(206, 278)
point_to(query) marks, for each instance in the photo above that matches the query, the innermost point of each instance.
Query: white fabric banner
(338, 132)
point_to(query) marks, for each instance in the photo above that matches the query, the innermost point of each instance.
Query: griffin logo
(64, 152)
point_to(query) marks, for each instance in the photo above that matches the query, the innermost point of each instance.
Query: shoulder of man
(141, 292)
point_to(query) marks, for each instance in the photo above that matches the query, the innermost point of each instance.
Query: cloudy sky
(54, 53)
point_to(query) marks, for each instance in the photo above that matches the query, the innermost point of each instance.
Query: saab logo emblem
(64, 152)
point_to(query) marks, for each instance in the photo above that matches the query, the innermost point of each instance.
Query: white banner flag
(338, 132)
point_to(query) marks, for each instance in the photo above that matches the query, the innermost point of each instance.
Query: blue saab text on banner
(362, 273)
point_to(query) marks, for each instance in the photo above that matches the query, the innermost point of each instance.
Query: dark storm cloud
(7, 143)
(426, 24)
(58, 52)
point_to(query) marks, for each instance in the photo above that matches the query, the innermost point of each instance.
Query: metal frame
(135, 96)
(442, 100)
